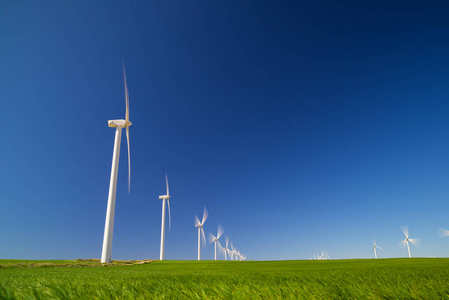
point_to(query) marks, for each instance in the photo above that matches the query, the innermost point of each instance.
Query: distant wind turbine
(164, 197)
(374, 248)
(109, 223)
(214, 239)
(407, 240)
(226, 249)
(201, 234)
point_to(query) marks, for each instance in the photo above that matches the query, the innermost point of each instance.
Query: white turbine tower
(201, 234)
(374, 248)
(214, 239)
(407, 240)
(164, 198)
(109, 223)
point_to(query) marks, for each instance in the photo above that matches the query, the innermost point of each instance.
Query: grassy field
(417, 278)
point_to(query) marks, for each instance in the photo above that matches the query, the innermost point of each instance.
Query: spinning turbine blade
(205, 215)
(211, 238)
(227, 241)
(127, 127)
(203, 236)
(403, 243)
(220, 231)
(129, 160)
(379, 248)
(414, 242)
(126, 93)
(405, 230)
(444, 232)
(166, 184)
(197, 221)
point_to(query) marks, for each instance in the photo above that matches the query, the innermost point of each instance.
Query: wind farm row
(228, 249)
(106, 256)
(404, 243)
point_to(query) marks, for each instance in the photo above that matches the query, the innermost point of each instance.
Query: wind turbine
(374, 248)
(214, 239)
(235, 253)
(407, 240)
(201, 231)
(226, 249)
(109, 223)
(164, 197)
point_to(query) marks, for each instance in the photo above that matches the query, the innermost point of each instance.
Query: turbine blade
(126, 93)
(227, 241)
(211, 238)
(205, 215)
(405, 230)
(220, 231)
(444, 232)
(166, 184)
(414, 242)
(197, 221)
(169, 216)
(129, 160)
(379, 248)
(203, 236)
(403, 243)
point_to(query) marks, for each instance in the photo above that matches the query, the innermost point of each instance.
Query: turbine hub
(116, 123)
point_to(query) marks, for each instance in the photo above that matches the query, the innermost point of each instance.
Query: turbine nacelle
(117, 123)
(164, 197)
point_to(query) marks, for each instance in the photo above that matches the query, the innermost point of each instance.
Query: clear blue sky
(302, 126)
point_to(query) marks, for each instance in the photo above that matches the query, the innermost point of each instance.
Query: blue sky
(300, 126)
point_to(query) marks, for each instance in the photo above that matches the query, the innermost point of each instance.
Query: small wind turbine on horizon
(226, 249)
(407, 240)
(214, 239)
(164, 198)
(109, 223)
(374, 248)
(201, 234)
(231, 251)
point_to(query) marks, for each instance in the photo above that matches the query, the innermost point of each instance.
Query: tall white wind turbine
(164, 198)
(201, 234)
(407, 240)
(109, 223)
(374, 248)
(214, 239)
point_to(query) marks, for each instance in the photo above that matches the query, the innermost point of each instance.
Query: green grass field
(417, 278)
